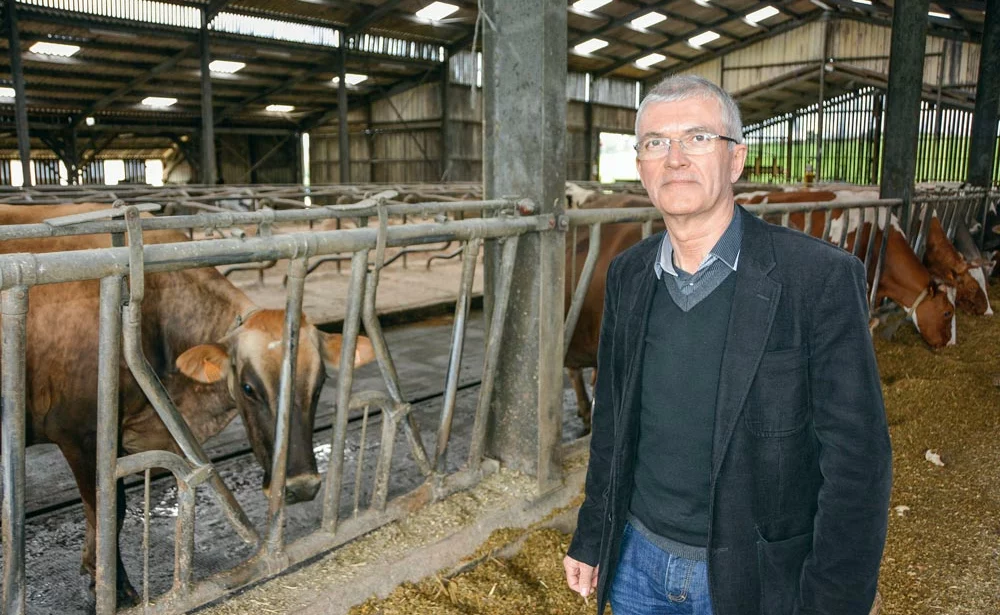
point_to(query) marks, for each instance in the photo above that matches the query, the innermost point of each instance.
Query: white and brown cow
(216, 353)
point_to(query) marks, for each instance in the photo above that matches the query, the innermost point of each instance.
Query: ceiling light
(702, 2)
(279, 108)
(647, 20)
(647, 61)
(54, 49)
(436, 11)
(7, 93)
(589, 5)
(351, 79)
(158, 101)
(762, 14)
(868, 2)
(225, 66)
(701, 39)
(938, 15)
(591, 46)
(89, 121)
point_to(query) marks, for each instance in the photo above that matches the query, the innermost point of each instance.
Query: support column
(588, 135)
(20, 102)
(902, 111)
(446, 119)
(343, 138)
(72, 161)
(822, 97)
(985, 115)
(524, 81)
(789, 144)
(208, 166)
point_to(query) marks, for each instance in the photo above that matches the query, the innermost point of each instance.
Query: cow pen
(343, 520)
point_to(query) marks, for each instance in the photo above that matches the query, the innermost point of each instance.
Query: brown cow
(946, 264)
(215, 352)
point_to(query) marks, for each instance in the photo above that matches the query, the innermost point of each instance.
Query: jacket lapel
(755, 301)
(638, 296)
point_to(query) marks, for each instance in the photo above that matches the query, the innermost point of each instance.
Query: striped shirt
(687, 289)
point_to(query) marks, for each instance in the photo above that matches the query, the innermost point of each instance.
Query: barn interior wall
(402, 140)
(257, 159)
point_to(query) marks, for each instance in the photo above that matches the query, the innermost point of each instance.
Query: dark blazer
(801, 461)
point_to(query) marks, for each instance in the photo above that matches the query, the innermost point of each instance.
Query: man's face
(681, 184)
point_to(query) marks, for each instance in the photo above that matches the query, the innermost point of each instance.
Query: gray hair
(683, 87)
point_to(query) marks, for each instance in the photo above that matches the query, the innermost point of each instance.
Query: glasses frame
(684, 148)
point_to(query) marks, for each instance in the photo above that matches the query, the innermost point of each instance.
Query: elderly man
(740, 460)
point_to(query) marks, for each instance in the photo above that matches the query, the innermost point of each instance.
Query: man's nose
(676, 156)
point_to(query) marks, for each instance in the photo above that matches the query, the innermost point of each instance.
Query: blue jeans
(650, 581)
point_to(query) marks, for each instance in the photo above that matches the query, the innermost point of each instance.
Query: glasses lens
(698, 143)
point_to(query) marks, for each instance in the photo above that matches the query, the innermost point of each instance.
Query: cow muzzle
(302, 488)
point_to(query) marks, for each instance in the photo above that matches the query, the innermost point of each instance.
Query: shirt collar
(727, 249)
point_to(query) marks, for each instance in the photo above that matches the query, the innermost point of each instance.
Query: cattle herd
(219, 355)
(950, 275)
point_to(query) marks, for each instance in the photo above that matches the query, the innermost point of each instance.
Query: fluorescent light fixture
(225, 66)
(436, 11)
(701, 39)
(589, 5)
(647, 20)
(762, 14)
(89, 121)
(351, 79)
(702, 2)
(938, 15)
(591, 46)
(54, 49)
(279, 108)
(647, 61)
(7, 93)
(158, 101)
(868, 2)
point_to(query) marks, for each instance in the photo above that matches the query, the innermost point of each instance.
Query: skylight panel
(225, 66)
(148, 11)
(264, 27)
(54, 49)
(160, 102)
(7, 93)
(701, 39)
(762, 14)
(279, 108)
(436, 11)
(866, 2)
(647, 61)
(89, 121)
(351, 79)
(591, 46)
(589, 5)
(648, 20)
(938, 15)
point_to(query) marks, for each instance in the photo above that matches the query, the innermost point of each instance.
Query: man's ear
(364, 352)
(739, 159)
(205, 363)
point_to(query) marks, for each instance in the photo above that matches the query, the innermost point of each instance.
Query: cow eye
(249, 391)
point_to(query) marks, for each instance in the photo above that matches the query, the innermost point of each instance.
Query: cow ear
(205, 363)
(364, 352)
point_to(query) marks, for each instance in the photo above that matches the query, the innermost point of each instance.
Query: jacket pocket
(779, 565)
(779, 397)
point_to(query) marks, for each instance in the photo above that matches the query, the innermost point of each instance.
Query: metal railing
(120, 321)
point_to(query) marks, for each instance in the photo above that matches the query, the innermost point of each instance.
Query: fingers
(580, 577)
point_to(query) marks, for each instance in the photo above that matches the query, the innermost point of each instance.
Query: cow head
(934, 316)
(248, 359)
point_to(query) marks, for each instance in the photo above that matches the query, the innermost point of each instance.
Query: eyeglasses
(694, 144)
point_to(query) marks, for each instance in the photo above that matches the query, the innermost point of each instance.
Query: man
(740, 460)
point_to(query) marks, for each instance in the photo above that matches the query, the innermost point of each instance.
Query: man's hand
(582, 578)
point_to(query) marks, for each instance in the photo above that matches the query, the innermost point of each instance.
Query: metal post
(822, 97)
(902, 114)
(588, 136)
(789, 144)
(109, 360)
(20, 99)
(208, 171)
(342, 137)
(876, 144)
(15, 319)
(446, 119)
(984, 118)
(524, 82)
